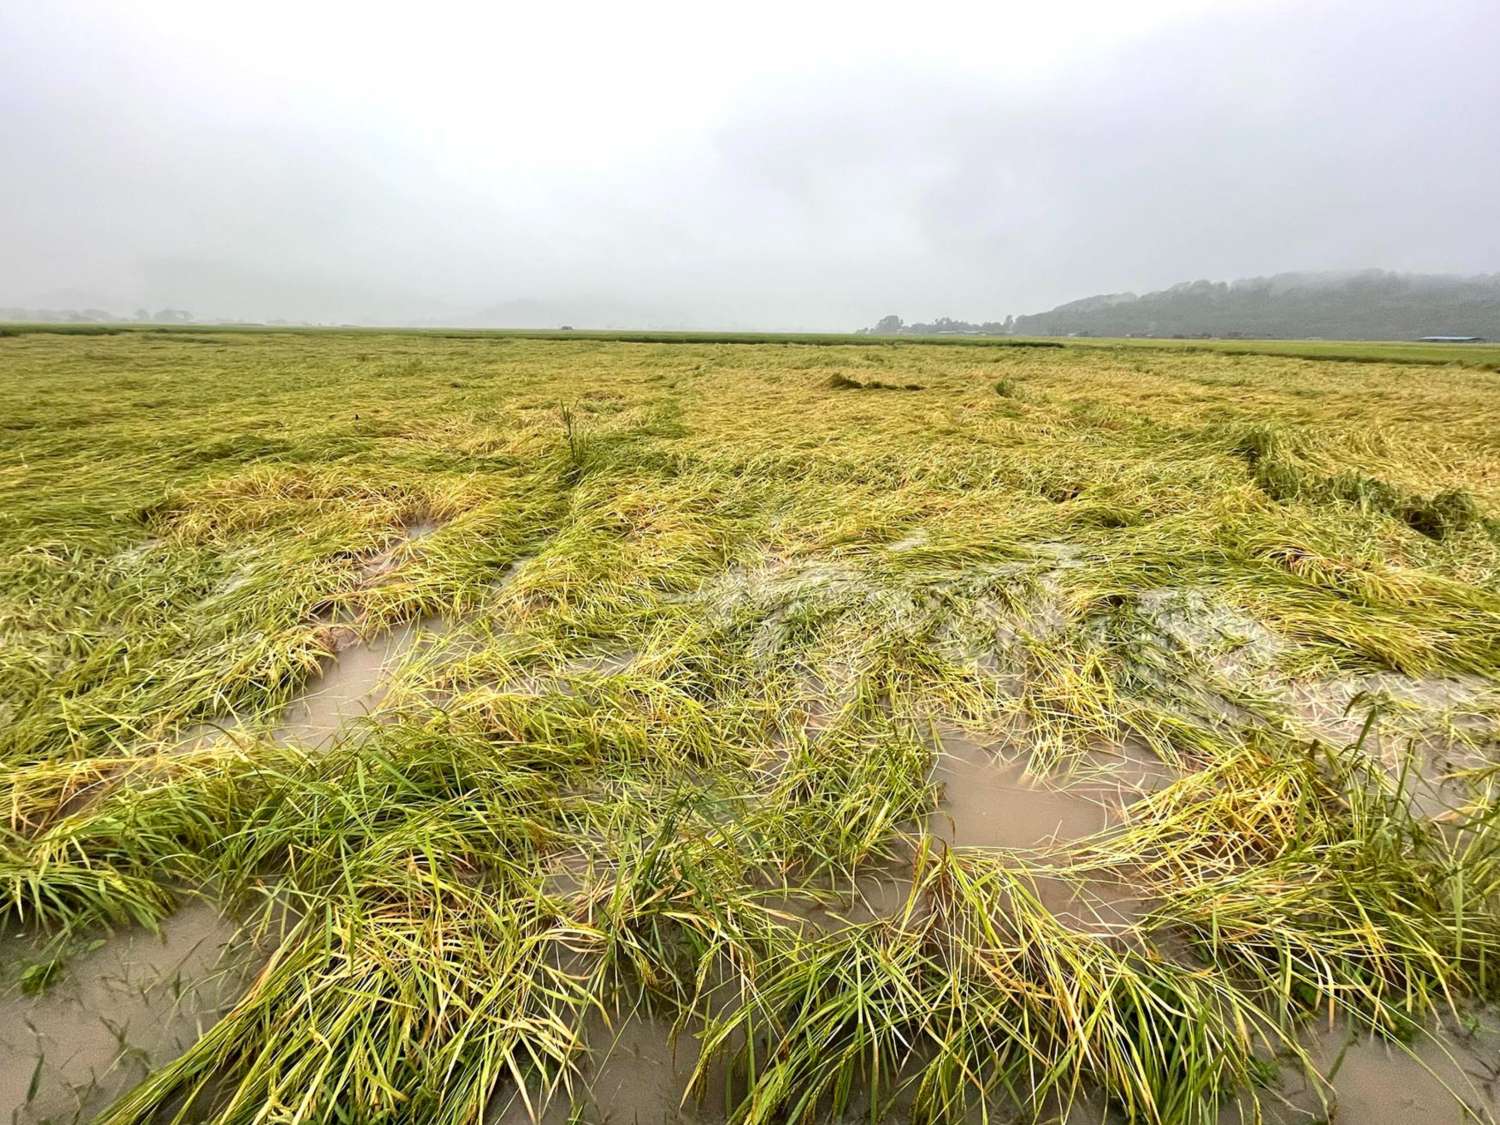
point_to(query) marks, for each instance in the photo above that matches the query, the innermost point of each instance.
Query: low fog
(771, 166)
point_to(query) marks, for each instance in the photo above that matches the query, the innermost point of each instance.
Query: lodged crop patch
(496, 728)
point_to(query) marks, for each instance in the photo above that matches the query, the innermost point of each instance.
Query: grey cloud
(1320, 135)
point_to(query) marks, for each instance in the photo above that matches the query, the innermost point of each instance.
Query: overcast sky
(765, 165)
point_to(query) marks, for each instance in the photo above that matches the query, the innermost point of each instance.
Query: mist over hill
(1362, 305)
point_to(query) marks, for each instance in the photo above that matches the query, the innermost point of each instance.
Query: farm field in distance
(1481, 355)
(410, 727)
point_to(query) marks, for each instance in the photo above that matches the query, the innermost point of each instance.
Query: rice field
(410, 728)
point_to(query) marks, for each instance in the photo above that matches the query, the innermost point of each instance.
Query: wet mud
(113, 1013)
(634, 1071)
(1451, 1077)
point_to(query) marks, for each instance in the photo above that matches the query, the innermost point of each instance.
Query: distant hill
(1365, 305)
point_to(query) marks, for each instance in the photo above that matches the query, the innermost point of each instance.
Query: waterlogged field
(396, 728)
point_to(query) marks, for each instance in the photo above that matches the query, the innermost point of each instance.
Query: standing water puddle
(991, 802)
(388, 560)
(353, 684)
(1424, 730)
(133, 1004)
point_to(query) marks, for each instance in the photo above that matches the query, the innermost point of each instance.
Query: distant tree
(1365, 305)
(942, 326)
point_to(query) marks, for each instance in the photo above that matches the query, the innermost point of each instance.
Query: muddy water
(879, 891)
(600, 664)
(352, 685)
(1446, 1079)
(1377, 1083)
(1132, 771)
(388, 560)
(640, 1075)
(992, 802)
(1425, 731)
(200, 736)
(561, 682)
(635, 1072)
(135, 1003)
